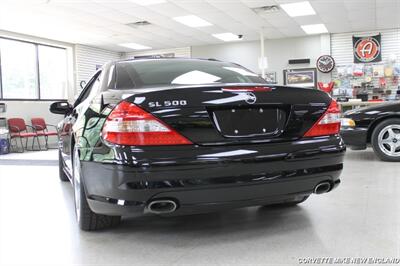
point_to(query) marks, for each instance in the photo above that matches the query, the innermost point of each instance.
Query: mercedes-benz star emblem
(251, 98)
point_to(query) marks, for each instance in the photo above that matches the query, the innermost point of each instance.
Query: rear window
(158, 72)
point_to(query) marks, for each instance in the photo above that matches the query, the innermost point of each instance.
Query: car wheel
(87, 219)
(289, 203)
(386, 140)
(61, 173)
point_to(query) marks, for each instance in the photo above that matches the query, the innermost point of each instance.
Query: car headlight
(347, 122)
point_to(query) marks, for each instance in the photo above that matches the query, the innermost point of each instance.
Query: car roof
(165, 58)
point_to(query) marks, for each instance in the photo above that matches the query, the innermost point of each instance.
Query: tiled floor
(359, 219)
(50, 154)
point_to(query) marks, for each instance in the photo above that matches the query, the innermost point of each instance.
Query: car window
(92, 86)
(142, 73)
(95, 89)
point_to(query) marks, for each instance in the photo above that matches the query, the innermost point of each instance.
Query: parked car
(378, 126)
(182, 136)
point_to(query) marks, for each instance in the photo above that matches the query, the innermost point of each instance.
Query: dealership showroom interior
(199, 132)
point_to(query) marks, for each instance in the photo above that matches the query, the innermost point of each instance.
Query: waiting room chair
(19, 130)
(40, 126)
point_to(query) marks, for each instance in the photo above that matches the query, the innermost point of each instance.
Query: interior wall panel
(88, 58)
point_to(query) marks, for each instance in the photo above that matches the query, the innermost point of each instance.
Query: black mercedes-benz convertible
(378, 126)
(182, 136)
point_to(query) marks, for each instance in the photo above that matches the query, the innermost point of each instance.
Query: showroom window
(31, 71)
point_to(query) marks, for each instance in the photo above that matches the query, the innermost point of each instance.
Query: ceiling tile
(102, 22)
(293, 31)
(338, 27)
(258, 3)
(362, 15)
(307, 20)
(360, 4)
(168, 10)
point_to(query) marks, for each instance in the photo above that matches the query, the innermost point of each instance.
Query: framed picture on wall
(303, 77)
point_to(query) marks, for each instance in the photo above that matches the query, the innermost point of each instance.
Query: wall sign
(325, 63)
(367, 49)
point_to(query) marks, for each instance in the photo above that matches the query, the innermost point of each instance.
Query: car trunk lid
(233, 113)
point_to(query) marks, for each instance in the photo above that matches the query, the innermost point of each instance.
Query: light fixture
(314, 28)
(298, 9)
(192, 21)
(148, 2)
(227, 37)
(134, 46)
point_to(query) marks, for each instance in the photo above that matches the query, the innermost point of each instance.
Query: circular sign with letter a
(367, 49)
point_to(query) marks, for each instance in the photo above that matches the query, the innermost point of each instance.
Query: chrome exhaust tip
(322, 187)
(162, 206)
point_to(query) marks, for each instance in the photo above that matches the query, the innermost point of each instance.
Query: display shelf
(368, 81)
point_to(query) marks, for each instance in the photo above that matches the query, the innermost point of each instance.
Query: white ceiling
(101, 23)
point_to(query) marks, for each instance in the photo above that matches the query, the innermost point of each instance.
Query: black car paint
(215, 171)
(366, 119)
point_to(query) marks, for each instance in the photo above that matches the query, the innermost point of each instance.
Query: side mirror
(60, 108)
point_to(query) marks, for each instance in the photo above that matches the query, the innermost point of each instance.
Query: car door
(68, 129)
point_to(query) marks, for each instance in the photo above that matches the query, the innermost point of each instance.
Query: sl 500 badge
(168, 103)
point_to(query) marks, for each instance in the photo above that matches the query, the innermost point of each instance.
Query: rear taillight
(328, 124)
(128, 124)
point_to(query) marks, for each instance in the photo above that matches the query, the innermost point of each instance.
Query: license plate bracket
(249, 122)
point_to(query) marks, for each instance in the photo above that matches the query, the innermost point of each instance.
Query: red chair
(40, 126)
(19, 130)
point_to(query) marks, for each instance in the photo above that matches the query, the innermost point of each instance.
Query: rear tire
(289, 203)
(87, 219)
(385, 140)
(61, 173)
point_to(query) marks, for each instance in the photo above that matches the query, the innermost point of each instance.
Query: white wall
(29, 109)
(278, 52)
(87, 59)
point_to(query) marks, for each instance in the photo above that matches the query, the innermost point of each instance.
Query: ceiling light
(314, 29)
(192, 21)
(134, 46)
(298, 9)
(227, 37)
(148, 2)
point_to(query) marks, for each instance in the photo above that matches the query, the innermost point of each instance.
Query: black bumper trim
(271, 172)
(355, 138)
(228, 180)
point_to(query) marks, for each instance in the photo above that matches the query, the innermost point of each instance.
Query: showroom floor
(359, 219)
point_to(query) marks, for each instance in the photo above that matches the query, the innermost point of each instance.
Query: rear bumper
(204, 179)
(355, 138)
